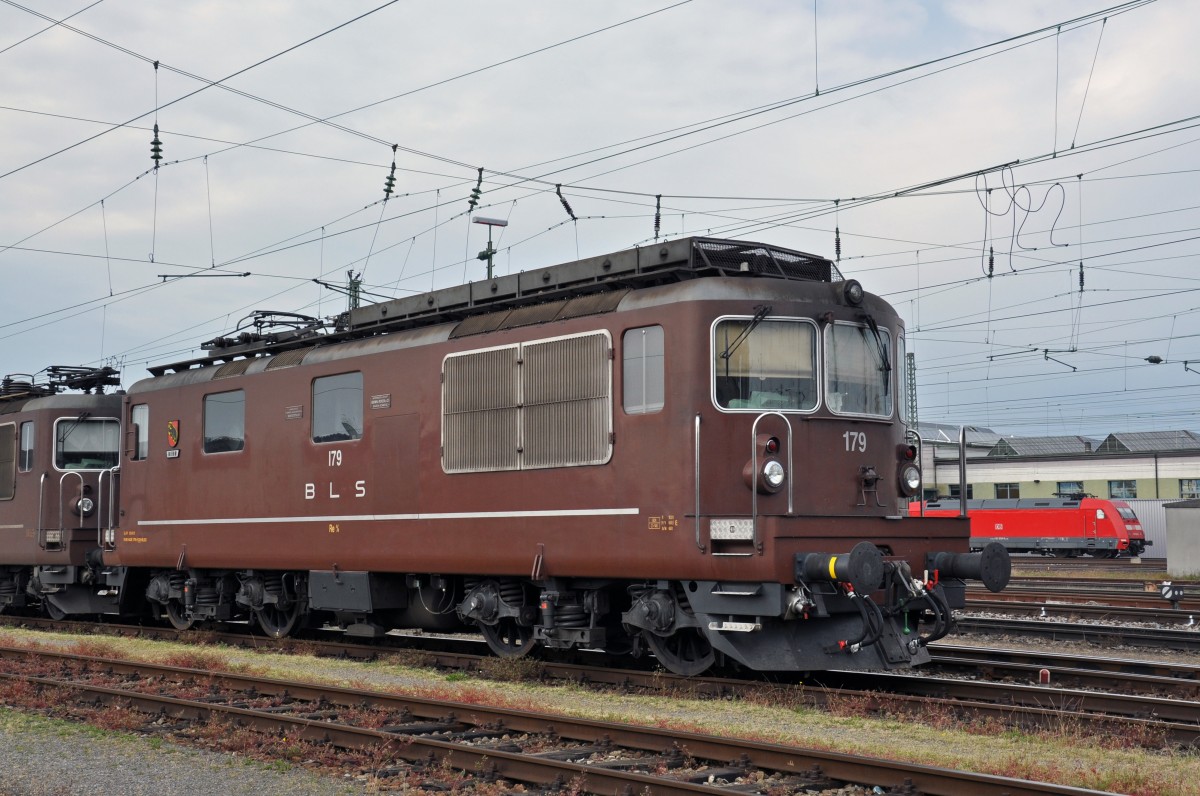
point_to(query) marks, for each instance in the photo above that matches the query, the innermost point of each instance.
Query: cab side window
(337, 413)
(25, 454)
(642, 371)
(140, 417)
(225, 422)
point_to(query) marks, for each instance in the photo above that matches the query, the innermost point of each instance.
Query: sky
(973, 157)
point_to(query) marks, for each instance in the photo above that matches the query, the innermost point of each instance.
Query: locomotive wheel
(508, 639)
(53, 611)
(177, 616)
(685, 652)
(277, 622)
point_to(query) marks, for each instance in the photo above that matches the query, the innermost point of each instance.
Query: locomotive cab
(802, 472)
(59, 470)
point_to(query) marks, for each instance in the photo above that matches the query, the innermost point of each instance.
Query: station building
(1144, 465)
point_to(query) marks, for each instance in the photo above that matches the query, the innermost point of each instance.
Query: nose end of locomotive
(991, 565)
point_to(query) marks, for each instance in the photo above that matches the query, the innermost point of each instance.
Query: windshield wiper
(760, 311)
(65, 431)
(882, 350)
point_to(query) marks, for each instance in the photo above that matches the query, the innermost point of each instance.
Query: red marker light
(772, 445)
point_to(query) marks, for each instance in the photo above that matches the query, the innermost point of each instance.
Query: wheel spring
(570, 616)
(273, 584)
(206, 596)
(176, 582)
(512, 593)
(8, 588)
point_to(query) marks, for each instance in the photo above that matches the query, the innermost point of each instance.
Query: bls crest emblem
(172, 433)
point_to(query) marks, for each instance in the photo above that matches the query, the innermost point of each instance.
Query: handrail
(790, 477)
(112, 473)
(699, 544)
(41, 501)
(79, 475)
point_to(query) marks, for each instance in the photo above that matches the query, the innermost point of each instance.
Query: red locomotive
(693, 448)
(1058, 526)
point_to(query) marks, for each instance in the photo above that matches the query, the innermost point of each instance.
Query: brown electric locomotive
(58, 489)
(695, 448)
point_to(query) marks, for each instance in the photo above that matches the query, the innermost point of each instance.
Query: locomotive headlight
(910, 480)
(83, 506)
(773, 474)
(853, 292)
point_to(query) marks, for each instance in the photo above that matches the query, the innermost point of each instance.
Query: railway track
(1062, 607)
(429, 737)
(1145, 596)
(1123, 675)
(1121, 694)
(1025, 562)
(1104, 635)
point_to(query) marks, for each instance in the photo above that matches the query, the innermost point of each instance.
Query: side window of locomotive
(139, 416)
(337, 413)
(225, 422)
(8, 461)
(858, 370)
(25, 454)
(86, 443)
(768, 365)
(643, 373)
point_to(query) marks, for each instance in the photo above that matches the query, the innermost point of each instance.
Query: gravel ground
(56, 759)
(41, 757)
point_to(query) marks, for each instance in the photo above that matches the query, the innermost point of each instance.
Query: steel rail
(1179, 640)
(1180, 681)
(1116, 598)
(1134, 701)
(542, 770)
(1107, 613)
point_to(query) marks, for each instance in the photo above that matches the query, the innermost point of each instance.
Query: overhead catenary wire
(1083, 102)
(53, 24)
(1128, 6)
(207, 85)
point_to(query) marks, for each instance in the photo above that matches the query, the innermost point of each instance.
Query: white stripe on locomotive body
(461, 515)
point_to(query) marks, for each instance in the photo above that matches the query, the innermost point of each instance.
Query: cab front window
(763, 365)
(858, 370)
(86, 443)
